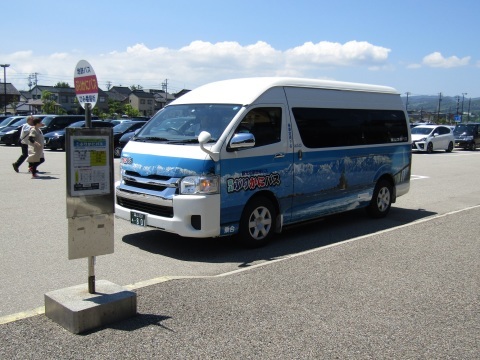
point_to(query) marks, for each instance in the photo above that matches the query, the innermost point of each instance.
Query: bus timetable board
(89, 165)
(89, 171)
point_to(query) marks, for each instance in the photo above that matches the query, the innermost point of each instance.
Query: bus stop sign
(86, 85)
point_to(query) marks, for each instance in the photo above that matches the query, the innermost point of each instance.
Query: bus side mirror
(242, 141)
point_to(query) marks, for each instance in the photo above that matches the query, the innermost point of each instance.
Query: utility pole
(468, 115)
(463, 99)
(406, 103)
(165, 88)
(32, 80)
(438, 110)
(5, 86)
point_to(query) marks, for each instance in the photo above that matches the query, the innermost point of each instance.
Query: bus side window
(264, 124)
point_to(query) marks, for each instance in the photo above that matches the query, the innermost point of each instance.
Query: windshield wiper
(187, 141)
(150, 138)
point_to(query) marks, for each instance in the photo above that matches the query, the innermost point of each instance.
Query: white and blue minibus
(251, 156)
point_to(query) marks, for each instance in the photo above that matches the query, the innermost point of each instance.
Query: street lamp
(5, 86)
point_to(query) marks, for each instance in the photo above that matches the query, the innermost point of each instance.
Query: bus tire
(381, 200)
(257, 223)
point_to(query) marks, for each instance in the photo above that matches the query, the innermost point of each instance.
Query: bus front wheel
(257, 224)
(381, 200)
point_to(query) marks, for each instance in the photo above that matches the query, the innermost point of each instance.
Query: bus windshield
(183, 123)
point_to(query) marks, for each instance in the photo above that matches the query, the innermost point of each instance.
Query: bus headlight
(199, 185)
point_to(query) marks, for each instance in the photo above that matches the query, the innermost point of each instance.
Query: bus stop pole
(91, 259)
(91, 274)
(88, 115)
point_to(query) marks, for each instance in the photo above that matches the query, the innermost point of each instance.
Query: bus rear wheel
(381, 200)
(257, 224)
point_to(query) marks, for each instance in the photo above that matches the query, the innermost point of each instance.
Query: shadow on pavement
(298, 238)
(136, 322)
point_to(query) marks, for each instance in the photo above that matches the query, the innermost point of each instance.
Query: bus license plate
(137, 218)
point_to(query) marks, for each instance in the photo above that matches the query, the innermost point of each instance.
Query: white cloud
(436, 59)
(200, 62)
(326, 53)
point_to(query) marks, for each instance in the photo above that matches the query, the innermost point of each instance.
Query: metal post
(91, 274)
(5, 86)
(91, 259)
(88, 115)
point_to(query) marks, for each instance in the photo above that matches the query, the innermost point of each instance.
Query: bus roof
(246, 90)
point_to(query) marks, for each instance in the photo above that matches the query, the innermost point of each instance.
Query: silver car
(429, 138)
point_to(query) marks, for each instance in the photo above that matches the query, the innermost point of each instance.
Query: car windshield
(77, 124)
(418, 130)
(464, 130)
(183, 123)
(123, 126)
(47, 120)
(21, 122)
(6, 121)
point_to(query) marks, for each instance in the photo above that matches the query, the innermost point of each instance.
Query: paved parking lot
(346, 287)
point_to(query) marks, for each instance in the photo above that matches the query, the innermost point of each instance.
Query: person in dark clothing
(23, 143)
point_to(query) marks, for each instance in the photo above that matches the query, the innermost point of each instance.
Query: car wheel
(257, 223)
(381, 200)
(429, 148)
(473, 146)
(450, 147)
(117, 151)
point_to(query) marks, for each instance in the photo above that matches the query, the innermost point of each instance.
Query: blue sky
(421, 47)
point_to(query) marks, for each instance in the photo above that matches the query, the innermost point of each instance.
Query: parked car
(59, 122)
(124, 139)
(467, 136)
(115, 122)
(10, 134)
(10, 121)
(56, 139)
(429, 138)
(121, 129)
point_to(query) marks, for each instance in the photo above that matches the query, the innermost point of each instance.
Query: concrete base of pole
(78, 311)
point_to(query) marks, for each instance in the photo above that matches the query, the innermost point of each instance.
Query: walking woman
(35, 147)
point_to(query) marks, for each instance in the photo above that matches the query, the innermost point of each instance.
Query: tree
(61, 84)
(115, 107)
(130, 111)
(48, 104)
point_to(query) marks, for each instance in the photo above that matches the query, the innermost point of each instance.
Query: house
(143, 101)
(119, 93)
(161, 98)
(9, 95)
(64, 97)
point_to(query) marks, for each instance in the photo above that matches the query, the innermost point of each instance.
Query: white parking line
(418, 177)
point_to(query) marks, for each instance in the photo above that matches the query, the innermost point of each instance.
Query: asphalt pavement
(410, 292)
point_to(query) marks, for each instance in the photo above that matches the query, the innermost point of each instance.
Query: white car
(429, 138)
